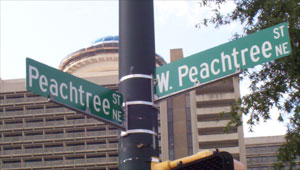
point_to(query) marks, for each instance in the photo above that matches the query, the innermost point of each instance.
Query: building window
(16, 134)
(75, 157)
(75, 144)
(170, 129)
(11, 148)
(96, 156)
(34, 133)
(188, 124)
(53, 158)
(34, 160)
(11, 161)
(34, 120)
(33, 146)
(53, 145)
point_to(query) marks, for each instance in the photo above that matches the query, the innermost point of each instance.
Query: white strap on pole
(130, 76)
(131, 131)
(139, 102)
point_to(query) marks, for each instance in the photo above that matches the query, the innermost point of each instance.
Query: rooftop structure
(102, 56)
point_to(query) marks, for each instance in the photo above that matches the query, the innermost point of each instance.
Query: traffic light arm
(167, 165)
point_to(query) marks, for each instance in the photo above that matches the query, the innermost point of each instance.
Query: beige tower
(191, 122)
(176, 123)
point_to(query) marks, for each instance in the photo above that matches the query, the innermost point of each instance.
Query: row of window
(218, 144)
(58, 150)
(262, 160)
(48, 166)
(215, 103)
(108, 156)
(93, 132)
(60, 144)
(31, 108)
(18, 95)
(216, 130)
(213, 117)
(262, 149)
(22, 100)
(262, 168)
(45, 122)
(80, 118)
(221, 86)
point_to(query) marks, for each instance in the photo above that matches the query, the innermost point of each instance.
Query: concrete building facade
(37, 134)
(261, 152)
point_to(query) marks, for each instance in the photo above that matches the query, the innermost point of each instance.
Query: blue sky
(50, 30)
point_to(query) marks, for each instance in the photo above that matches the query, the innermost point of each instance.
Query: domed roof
(105, 39)
(101, 46)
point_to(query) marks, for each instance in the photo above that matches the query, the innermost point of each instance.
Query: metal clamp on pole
(141, 102)
(153, 82)
(130, 76)
(125, 110)
(132, 131)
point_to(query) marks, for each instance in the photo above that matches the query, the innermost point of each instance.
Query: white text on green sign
(74, 92)
(221, 61)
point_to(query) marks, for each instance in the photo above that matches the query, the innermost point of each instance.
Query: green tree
(276, 84)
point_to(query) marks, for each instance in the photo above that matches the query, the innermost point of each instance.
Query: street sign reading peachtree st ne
(74, 92)
(222, 61)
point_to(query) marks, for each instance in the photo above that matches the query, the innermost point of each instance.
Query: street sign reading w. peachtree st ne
(74, 92)
(222, 61)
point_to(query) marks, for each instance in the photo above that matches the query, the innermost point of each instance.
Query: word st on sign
(74, 93)
(222, 61)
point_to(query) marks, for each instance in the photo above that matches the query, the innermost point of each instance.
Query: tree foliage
(276, 84)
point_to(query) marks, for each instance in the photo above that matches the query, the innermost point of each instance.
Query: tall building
(37, 134)
(191, 122)
(262, 152)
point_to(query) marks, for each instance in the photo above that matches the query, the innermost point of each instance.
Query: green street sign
(222, 61)
(74, 93)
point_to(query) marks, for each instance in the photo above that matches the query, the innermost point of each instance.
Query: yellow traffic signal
(206, 160)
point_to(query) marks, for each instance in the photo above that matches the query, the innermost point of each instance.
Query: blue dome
(105, 39)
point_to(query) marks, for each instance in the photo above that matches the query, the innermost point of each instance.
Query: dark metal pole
(136, 65)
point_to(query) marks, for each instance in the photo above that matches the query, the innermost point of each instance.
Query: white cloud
(170, 10)
(271, 127)
(189, 13)
(183, 12)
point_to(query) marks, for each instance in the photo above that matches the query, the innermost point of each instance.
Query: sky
(48, 31)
